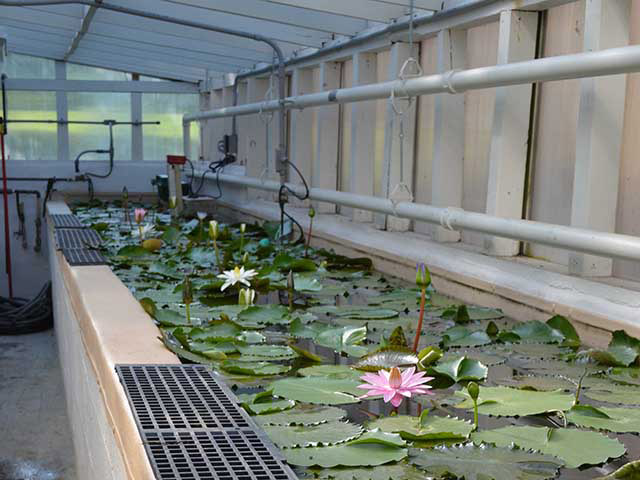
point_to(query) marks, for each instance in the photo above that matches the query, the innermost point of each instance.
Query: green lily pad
(329, 433)
(386, 359)
(170, 318)
(355, 312)
(275, 352)
(377, 436)
(303, 414)
(460, 336)
(510, 402)
(397, 471)
(254, 368)
(537, 332)
(460, 370)
(622, 394)
(259, 316)
(429, 427)
(330, 371)
(269, 407)
(628, 376)
(304, 283)
(485, 462)
(574, 447)
(620, 420)
(344, 339)
(345, 455)
(630, 471)
(319, 390)
(543, 384)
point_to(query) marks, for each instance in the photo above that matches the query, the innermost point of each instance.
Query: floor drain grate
(66, 221)
(77, 257)
(193, 427)
(180, 397)
(222, 454)
(77, 238)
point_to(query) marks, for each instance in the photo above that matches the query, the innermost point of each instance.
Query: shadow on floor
(36, 440)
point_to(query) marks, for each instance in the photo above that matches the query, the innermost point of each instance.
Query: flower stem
(215, 247)
(188, 308)
(475, 415)
(140, 230)
(423, 299)
(306, 246)
(241, 242)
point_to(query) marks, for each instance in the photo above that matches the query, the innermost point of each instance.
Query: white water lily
(243, 227)
(143, 230)
(237, 275)
(201, 215)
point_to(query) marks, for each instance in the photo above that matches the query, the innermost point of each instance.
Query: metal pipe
(281, 152)
(589, 64)
(82, 122)
(589, 241)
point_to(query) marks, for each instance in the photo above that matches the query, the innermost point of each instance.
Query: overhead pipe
(281, 152)
(579, 239)
(589, 64)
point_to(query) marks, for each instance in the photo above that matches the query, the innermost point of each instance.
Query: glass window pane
(166, 138)
(25, 66)
(98, 107)
(82, 72)
(32, 141)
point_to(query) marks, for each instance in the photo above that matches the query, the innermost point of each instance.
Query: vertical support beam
(260, 139)
(398, 168)
(186, 141)
(301, 130)
(325, 162)
(242, 124)
(62, 113)
(137, 153)
(448, 145)
(599, 135)
(363, 122)
(509, 140)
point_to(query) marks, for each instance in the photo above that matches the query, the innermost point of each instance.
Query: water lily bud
(213, 229)
(290, 282)
(423, 277)
(474, 390)
(243, 227)
(245, 257)
(246, 296)
(201, 215)
(187, 291)
(172, 202)
(138, 214)
(312, 212)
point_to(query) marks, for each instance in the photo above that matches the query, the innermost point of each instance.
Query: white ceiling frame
(117, 86)
(375, 11)
(287, 15)
(89, 13)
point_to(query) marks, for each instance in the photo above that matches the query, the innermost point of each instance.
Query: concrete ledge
(522, 291)
(98, 325)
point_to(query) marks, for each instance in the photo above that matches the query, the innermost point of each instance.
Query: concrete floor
(35, 439)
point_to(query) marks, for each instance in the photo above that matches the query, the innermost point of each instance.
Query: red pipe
(5, 196)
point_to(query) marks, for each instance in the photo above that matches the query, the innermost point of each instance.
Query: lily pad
(537, 332)
(355, 312)
(345, 455)
(511, 402)
(386, 359)
(275, 352)
(319, 390)
(620, 420)
(427, 427)
(329, 433)
(259, 316)
(485, 462)
(630, 471)
(460, 370)
(397, 471)
(257, 368)
(330, 371)
(460, 336)
(621, 394)
(269, 407)
(574, 447)
(303, 415)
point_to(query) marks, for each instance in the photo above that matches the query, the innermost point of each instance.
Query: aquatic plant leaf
(572, 370)
(170, 318)
(306, 354)
(619, 420)
(564, 326)
(510, 402)
(133, 252)
(614, 393)
(379, 437)
(397, 471)
(285, 262)
(329, 433)
(300, 329)
(345, 455)
(574, 447)
(319, 390)
(629, 471)
(355, 312)
(460, 336)
(279, 352)
(344, 339)
(330, 371)
(485, 462)
(460, 370)
(628, 376)
(305, 283)
(175, 347)
(259, 316)
(543, 384)
(537, 332)
(614, 356)
(269, 407)
(431, 427)
(148, 305)
(254, 368)
(385, 359)
(217, 331)
(303, 414)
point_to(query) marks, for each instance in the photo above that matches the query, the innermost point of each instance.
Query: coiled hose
(19, 316)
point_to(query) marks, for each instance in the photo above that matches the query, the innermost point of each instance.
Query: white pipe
(570, 238)
(590, 64)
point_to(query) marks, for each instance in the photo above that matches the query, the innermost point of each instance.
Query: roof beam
(372, 10)
(43, 85)
(89, 13)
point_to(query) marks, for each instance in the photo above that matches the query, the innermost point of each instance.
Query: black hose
(19, 316)
(282, 201)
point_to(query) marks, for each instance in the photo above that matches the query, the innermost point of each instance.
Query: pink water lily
(395, 385)
(138, 214)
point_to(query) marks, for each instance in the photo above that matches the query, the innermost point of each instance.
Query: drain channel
(65, 221)
(77, 238)
(194, 428)
(82, 257)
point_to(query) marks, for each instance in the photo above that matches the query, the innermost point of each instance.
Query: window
(98, 107)
(31, 141)
(82, 72)
(166, 138)
(24, 66)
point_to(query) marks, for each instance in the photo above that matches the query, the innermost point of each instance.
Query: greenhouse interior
(297, 239)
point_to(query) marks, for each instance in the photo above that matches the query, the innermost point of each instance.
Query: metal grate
(66, 221)
(222, 454)
(180, 397)
(77, 257)
(77, 238)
